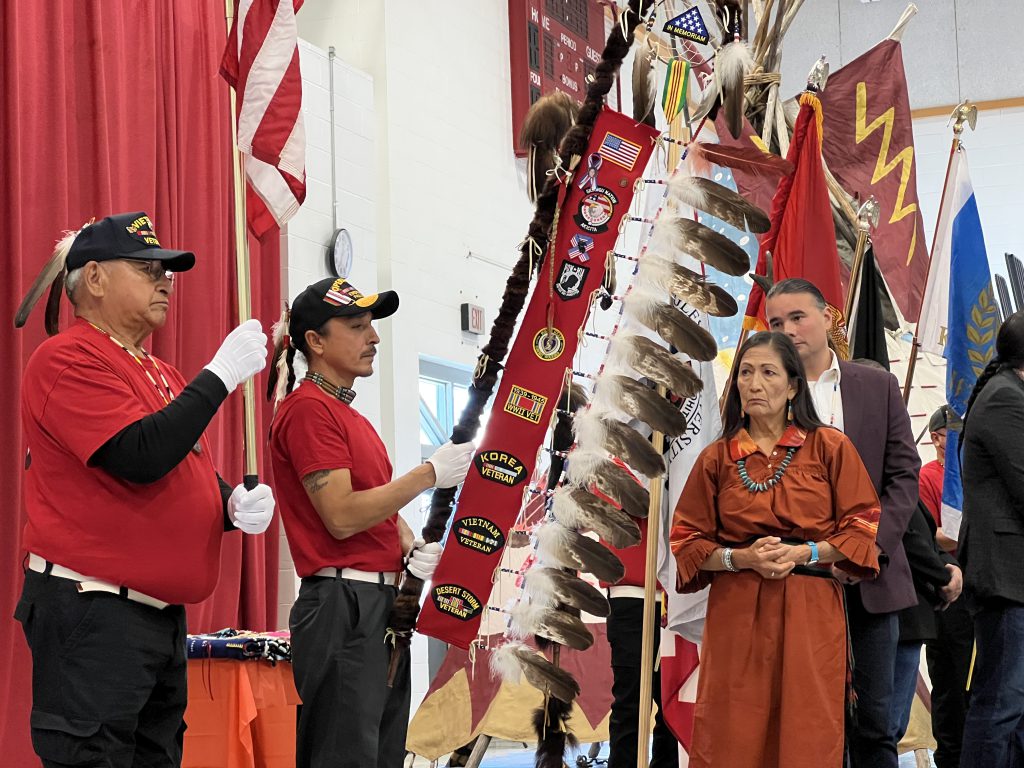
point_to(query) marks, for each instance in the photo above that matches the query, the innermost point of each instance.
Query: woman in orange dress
(765, 511)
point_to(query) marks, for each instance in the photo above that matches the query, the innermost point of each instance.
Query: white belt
(354, 574)
(630, 591)
(87, 584)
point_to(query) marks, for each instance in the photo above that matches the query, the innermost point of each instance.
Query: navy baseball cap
(336, 297)
(125, 236)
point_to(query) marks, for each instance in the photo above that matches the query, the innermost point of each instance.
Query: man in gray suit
(866, 404)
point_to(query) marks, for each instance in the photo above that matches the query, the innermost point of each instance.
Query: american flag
(620, 151)
(261, 62)
(689, 24)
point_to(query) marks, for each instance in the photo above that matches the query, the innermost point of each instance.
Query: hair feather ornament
(578, 509)
(686, 285)
(718, 201)
(591, 470)
(277, 377)
(673, 234)
(673, 325)
(558, 545)
(656, 363)
(733, 62)
(594, 428)
(550, 623)
(50, 276)
(551, 586)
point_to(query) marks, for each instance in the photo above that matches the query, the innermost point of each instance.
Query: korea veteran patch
(500, 467)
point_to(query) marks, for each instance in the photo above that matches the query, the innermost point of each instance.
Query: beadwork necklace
(344, 394)
(770, 482)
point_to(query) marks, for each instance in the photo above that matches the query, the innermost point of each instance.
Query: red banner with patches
(596, 198)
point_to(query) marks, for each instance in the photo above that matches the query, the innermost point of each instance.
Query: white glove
(451, 463)
(242, 354)
(251, 511)
(423, 559)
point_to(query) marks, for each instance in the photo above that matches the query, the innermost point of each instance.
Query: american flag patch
(580, 245)
(620, 151)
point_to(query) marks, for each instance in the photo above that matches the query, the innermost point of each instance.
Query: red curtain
(107, 107)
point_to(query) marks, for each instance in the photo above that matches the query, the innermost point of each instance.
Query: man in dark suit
(866, 404)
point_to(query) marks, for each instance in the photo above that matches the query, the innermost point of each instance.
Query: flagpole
(964, 113)
(251, 472)
(867, 219)
(650, 586)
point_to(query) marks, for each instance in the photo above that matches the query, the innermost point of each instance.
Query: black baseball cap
(336, 297)
(125, 236)
(939, 419)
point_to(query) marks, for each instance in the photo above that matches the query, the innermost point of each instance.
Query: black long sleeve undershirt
(146, 450)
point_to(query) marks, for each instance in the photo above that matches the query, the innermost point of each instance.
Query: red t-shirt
(163, 538)
(931, 489)
(313, 431)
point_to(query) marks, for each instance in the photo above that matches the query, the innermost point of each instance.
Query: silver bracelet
(727, 560)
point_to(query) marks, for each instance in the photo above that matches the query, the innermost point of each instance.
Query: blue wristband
(814, 553)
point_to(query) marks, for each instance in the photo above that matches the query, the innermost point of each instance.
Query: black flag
(868, 335)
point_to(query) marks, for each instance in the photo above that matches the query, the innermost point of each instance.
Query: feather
(644, 88)
(643, 403)
(595, 472)
(749, 160)
(546, 122)
(656, 363)
(550, 723)
(557, 545)
(687, 286)
(277, 378)
(719, 201)
(732, 63)
(577, 508)
(50, 276)
(504, 663)
(550, 586)
(702, 243)
(672, 325)
(542, 674)
(551, 623)
(620, 440)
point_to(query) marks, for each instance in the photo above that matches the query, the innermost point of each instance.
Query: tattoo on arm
(315, 481)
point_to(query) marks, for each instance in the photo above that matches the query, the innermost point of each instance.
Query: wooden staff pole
(251, 473)
(650, 604)
(962, 114)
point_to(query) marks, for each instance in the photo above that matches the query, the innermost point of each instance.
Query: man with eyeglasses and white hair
(125, 510)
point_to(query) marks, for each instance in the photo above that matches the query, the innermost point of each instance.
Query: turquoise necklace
(772, 481)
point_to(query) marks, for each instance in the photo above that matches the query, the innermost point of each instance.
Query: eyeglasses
(154, 270)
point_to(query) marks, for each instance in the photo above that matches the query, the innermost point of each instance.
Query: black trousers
(349, 718)
(625, 633)
(108, 677)
(949, 662)
(874, 636)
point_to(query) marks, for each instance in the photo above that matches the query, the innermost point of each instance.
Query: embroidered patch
(571, 277)
(479, 534)
(456, 601)
(142, 230)
(689, 25)
(622, 152)
(525, 404)
(548, 344)
(595, 211)
(500, 467)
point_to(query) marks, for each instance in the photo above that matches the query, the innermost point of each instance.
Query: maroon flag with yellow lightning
(869, 147)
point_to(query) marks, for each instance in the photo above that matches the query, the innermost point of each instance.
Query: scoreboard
(554, 45)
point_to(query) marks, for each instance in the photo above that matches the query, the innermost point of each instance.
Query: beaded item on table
(766, 485)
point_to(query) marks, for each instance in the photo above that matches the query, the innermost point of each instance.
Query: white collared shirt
(827, 394)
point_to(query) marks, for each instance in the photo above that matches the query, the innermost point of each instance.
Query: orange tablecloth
(241, 714)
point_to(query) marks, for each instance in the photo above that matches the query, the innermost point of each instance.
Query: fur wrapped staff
(546, 122)
(573, 145)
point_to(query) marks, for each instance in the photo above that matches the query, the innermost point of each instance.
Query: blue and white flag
(959, 318)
